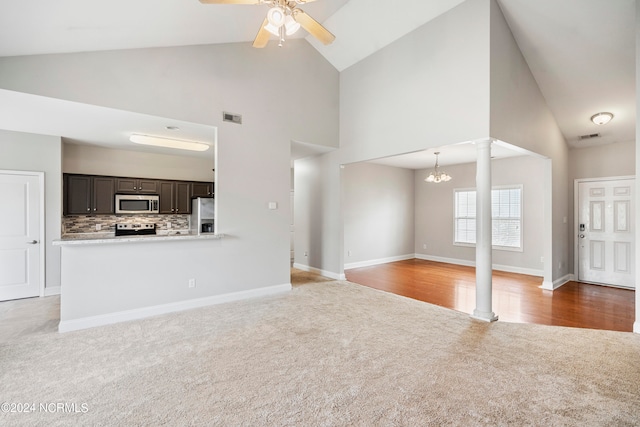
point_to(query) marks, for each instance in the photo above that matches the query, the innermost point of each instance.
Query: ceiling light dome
(276, 16)
(601, 118)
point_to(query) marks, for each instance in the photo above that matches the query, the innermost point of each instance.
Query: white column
(484, 262)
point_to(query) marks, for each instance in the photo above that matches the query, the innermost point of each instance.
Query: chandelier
(437, 175)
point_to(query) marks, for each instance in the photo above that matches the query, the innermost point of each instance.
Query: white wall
(94, 160)
(435, 211)
(520, 116)
(427, 89)
(378, 213)
(196, 84)
(40, 153)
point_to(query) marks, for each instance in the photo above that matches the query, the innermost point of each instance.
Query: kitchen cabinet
(88, 195)
(202, 189)
(136, 186)
(175, 197)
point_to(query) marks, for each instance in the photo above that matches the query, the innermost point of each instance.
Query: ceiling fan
(283, 18)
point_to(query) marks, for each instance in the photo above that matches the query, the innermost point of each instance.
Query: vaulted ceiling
(581, 52)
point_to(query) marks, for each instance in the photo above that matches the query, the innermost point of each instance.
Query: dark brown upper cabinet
(202, 189)
(137, 186)
(175, 197)
(88, 195)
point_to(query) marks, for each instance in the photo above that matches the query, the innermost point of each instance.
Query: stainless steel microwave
(137, 204)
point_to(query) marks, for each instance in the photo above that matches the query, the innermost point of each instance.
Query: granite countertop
(109, 238)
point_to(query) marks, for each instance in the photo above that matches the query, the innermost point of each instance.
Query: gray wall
(196, 84)
(378, 212)
(520, 116)
(435, 207)
(40, 153)
(602, 161)
(102, 161)
(427, 89)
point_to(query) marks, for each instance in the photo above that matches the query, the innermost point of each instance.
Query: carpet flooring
(328, 353)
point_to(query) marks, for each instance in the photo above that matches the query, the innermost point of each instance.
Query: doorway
(21, 233)
(605, 232)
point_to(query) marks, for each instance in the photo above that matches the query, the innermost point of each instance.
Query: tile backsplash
(87, 224)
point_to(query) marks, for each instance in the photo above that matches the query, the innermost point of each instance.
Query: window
(506, 214)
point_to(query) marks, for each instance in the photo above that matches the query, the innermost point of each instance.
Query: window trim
(495, 247)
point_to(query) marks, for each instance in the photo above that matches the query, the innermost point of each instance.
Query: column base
(484, 316)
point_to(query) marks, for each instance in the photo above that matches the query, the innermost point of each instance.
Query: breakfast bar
(109, 279)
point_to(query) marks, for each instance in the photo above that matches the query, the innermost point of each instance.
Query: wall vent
(593, 135)
(230, 117)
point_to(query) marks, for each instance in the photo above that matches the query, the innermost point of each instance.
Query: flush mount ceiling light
(283, 17)
(160, 141)
(601, 118)
(437, 175)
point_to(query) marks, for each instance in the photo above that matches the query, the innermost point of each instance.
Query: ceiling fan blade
(262, 38)
(313, 27)
(230, 1)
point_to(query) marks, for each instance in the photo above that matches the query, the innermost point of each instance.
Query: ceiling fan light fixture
(159, 141)
(272, 29)
(602, 118)
(276, 16)
(291, 25)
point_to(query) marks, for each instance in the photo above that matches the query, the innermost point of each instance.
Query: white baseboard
(378, 261)
(141, 313)
(53, 290)
(636, 327)
(324, 273)
(498, 267)
(552, 286)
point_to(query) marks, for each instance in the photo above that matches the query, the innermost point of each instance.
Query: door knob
(33, 242)
(582, 236)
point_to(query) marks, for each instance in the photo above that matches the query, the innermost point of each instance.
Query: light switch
(273, 205)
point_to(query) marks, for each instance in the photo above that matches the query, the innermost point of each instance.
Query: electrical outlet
(168, 225)
(424, 246)
(192, 283)
(98, 227)
(348, 253)
(306, 253)
(541, 259)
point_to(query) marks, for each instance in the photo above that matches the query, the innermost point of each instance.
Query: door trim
(43, 237)
(576, 218)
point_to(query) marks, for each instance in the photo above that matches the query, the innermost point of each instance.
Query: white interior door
(606, 241)
(20, 228)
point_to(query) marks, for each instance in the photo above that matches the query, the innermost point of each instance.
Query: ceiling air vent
(230, 117)
(593, 135)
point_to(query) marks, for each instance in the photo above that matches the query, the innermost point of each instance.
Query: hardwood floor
(516, 297)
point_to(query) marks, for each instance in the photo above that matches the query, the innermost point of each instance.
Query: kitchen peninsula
(108, 279)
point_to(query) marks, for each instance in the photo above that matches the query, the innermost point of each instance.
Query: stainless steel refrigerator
(202, 215)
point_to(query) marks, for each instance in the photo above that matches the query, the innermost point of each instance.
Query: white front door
(20, 229)
(606, 241)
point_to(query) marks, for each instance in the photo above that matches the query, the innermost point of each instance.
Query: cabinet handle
(95, 209)
(134, 188)
(89, 209)
(172, 209)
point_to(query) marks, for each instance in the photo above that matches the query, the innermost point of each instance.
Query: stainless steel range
(135, 229)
